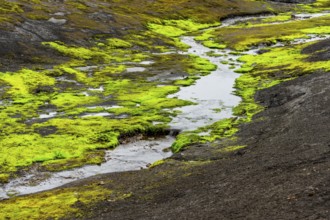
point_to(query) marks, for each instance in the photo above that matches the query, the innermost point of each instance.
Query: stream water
(213, 95)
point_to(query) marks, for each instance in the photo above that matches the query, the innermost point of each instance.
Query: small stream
(131, 156)
(213, 95)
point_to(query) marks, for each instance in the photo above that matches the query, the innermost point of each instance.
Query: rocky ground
(279, 170)
(283, 173)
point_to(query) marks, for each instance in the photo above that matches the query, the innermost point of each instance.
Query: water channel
(212, 93)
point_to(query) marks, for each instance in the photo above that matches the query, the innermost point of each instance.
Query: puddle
(311, 37)
(87, 68)
(100, 89)
(147, 62)
(304, 16)
(135, 69)
(48, 115)
(98, 114)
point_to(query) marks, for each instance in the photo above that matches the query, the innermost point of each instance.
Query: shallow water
(135, 69)
(211, 93)
(131, 156)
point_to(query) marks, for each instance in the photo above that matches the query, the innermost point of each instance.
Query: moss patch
(52, 205)
(241, 37)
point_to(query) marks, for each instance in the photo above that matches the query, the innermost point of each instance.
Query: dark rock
(275, 97)
(44, 89)
(261, 51)
(46, 130)
(319, 51)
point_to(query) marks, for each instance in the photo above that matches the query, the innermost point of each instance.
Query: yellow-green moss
(52, 205)
(220, 129)
(278, 18)
(176, 28)
(118, 43)
(231, 149)
(200, 66)
(4, 178)
(185, 82)
(317, 30)
(213, 45)
(25, 81)
(157, 163)
(242, 37)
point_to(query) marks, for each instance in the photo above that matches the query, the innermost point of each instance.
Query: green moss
(116, 50)
(167, 30)
(213, 45)
(221, 129)
(207, 39)
(4, 178)
(65, 101)
(185, 82)
(317, 6)
(184, 140)
(76, 52)
(205, 35)
(118, 43)
(213, 54)
(61, 163)
(242, 37)
(200, 66)
(317, 30)
(231, 149)
(288, 59)
(10, 7)
(278, 18)
(176, 28)
(157, 163)
(78, 5)
(25, 82)
(54, 205)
